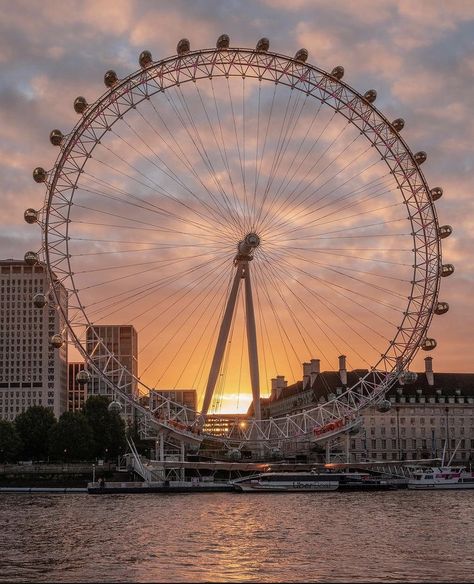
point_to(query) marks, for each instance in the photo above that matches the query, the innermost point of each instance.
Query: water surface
(226, 537)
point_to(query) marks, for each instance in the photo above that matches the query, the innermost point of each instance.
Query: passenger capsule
(145, 59)
(39, 300)
(56, 137)
(31, 216)
(445, 231)
(428, 345)
(407, 377)
(57, 341)
(338, 72)
(234, 454)
(447, 270)
(39, 174)
(420, 157)
(80, 105)
(110, 78)
(31, 258)
(441, 308)
(301, 55)
(436, 193)
(223, 42)
(398, 124)
(275, 453)
(263, 45)
(370, 95)
(83, 377)
(384, 406)
(115, 407)
(183, 47)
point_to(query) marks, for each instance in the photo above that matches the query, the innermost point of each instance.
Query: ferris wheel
(253, 217)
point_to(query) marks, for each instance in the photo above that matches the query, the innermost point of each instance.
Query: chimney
(280, 385)
(306, 374)
(274, 388)
(314, 370)
(429, 370)
(342, 369)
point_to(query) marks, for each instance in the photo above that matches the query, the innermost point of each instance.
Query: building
(76, 392)
(32, 371)
(122, 342)
(222, 424)
(182, 397)
(437, 409)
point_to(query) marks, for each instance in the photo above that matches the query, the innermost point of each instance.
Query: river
(228, 537)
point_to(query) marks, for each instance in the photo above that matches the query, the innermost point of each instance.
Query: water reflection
(225, 537)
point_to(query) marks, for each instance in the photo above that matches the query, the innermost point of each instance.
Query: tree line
(92, 433)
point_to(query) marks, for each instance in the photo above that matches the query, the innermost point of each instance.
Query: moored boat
(288, 482)
(441, 477)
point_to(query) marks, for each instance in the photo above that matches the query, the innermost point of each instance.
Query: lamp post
(93, 473)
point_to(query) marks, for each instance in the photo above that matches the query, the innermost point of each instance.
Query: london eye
(252, 216)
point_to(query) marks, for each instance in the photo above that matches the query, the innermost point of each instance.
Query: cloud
(417, 55)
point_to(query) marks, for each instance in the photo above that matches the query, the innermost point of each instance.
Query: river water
(228, 537)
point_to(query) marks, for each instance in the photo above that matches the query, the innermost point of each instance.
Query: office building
(32, 371)
(76, 392)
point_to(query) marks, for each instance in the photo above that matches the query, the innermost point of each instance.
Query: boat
(284, 482)
(442, 477)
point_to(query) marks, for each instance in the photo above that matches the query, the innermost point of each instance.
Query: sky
(419, 56)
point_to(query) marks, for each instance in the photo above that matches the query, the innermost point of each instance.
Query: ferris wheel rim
(187, 62)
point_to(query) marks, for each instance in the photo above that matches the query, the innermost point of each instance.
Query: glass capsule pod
(39, 300)
(83, 377)
(31, 258)
(384, 406)
(234, 454)
(115, 407)
(110, 78)
(441, 308)
(145, 59)
(370, 95)
(447, 270)
(398, 124)
(183, 47)
(263, 45)
(56, 137)
(31, 216)
(428, 344)
(301, 55)
(436, 193)
(223, 42)
(57, 341)
(407, 377)
(80, 105)
(420, 157)
(445, 231)
(338, 72)
(39, 174)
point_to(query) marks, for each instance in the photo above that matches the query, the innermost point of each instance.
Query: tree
(10, 442)
(33, 426)
(108, 428)
(71, 438)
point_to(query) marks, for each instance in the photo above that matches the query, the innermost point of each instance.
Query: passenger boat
(273, 482)
(441, 477)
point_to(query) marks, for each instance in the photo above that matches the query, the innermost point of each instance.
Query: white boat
(288, 482)
(442, 477)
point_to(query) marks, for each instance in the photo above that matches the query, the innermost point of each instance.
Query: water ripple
(226, 537)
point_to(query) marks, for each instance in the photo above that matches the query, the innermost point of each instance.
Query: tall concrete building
(32, 371)
(122, 342)
(76, 392)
